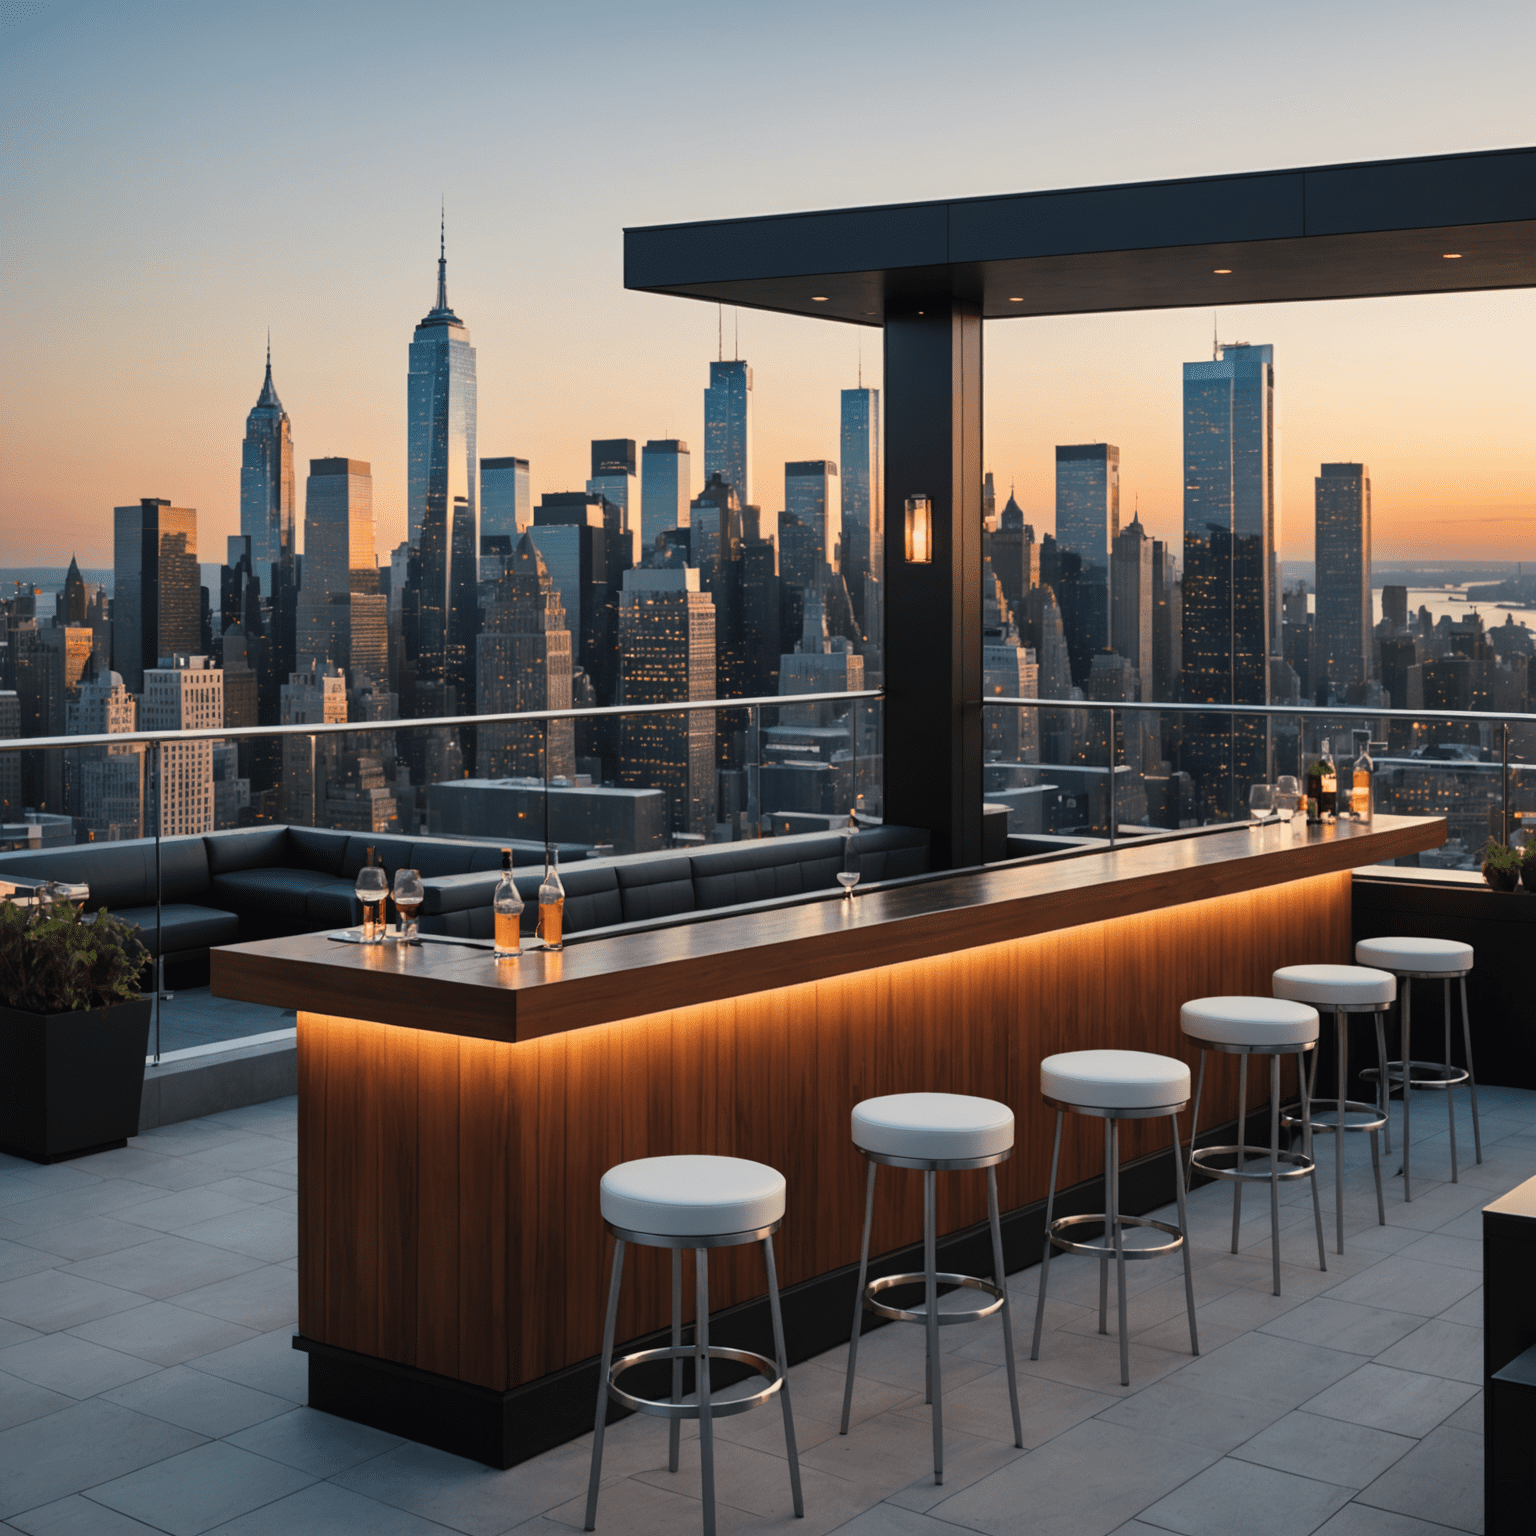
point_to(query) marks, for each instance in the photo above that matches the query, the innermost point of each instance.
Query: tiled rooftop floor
(147, 1297)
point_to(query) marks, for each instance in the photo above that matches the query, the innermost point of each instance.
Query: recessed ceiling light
(1018, 300)
(1221, 271)
(1451, 256)
(818, 298)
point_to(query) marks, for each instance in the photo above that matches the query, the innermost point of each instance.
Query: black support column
(933, 658)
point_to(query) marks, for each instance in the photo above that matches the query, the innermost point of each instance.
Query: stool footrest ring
(901, 1315)
(1295, 1164)
(719, 1408)
(1447, 1074)
(1106, 1249)
(1373, 1121)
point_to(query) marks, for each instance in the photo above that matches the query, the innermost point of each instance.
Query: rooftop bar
(456, 1112)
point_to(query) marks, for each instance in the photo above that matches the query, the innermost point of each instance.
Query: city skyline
(1414, 387)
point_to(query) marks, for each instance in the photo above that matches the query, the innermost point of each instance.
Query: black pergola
(929, 273)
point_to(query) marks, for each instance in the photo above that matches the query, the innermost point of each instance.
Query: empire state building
(440, 506)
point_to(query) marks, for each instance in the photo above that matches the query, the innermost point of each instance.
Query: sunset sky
(176, 177)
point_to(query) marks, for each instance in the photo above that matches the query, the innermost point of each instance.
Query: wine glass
(848, 875)
(372, 889)
(1261, 801)
(408, 897)
(1287, 796)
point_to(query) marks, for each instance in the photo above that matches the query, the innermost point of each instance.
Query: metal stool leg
(782, 1357)
(1466, 1037)
(1450, 1093)
(931, 1293)
(1274, 1165)
(1242, 1145)
(858, 1297)
(1002, 1284)
(1381, 1204)
(1114, 1213)
(604, 1366)
(1341, 1052)
(1407, 1084)
(1109, 1163)
(701, 1354)
(1194, 1125)
(1189, 1274)
(1383, 1082)
(675, 1426)
(1306, 1147)
(1045, 1257)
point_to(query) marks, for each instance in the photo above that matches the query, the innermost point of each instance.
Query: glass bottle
(509, 912)
(1361, 794)
(1328, 788)
(372, 888)
(552, 905)
(1314, 791)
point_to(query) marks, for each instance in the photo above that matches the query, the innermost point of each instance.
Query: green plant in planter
(55, 961)
(1501, 865)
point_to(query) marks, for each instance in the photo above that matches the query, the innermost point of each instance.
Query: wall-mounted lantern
(919, 530)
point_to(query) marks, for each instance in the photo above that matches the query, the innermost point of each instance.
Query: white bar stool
(699, 1203)
(937, 1133)
(1256, 1026)
(1342, 990)
(1412, 960)
(1115, 1086)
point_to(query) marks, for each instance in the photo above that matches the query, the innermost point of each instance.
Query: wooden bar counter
(456, 1112)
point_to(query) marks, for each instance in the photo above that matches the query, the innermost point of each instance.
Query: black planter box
(71, 1083)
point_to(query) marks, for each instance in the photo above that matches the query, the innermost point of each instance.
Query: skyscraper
(614, 476)
(1343, 624)
(440, 504)
(810, 496)
(185, 695)
(728, 427)
(506, 503)
(266, 483)
(1087, 525)
(339, 564)
(157, 585)
(1131, 603)
(666, 488)
(863, 499)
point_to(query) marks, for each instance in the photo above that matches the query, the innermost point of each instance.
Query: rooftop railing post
(1504, 775)
(157, 804)
(1113, 818)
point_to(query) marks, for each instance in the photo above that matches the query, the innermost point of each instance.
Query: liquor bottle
(509, 912)
(853, 818)
(1362, 790)
(1314, 790)
(1328, 789)
(552, 905)
(372, 888)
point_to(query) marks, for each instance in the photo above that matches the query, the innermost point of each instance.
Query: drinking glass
(848, 875)
(1287, 796)
(1261, 801)
(372, 889)
(408, 898)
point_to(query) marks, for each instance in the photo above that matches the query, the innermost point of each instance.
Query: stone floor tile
(86, 1238)
(22, 1179)
(184, 1208)
(1246, 1309)
(1439, 1248)
(1346, 1325)
(817, 1393)
(142, 1166)
(1092, 1361)
(1278, 1371)
(244, 1153)
(48, 1301)
(892, 1520)
(1211, 1419)
(76, 1367)
(287, 1181)
(1442, 1481)
(1358, 1519)
(15, 1333)
(258, 1231)
(1085, 1482)
(891, 1451)
(896, 1355)
(1439, 1348)
(980, 1408)
(323, 1509)
(1469, 1415)
(251, 1191)
(199, 1489)
(264, 1297)
(196, 1400)
(1405, 1285)
(97, 1198)
(1468, 1225)
(1468, 1310)
(638, 1509)
(17, 1260)
(22, 1401)
(314, 1442)
(1349, 1455)
(77, 1448)
(79, 1516)
(164, 1266)
(162, 1332)
(268, 1362)
(1401, 1402)
(1263, 1501)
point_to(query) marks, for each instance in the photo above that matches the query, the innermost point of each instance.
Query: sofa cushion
(333, 906)
(183, 926)
(183, 869)
(484, 856)
(392, 852)
(314, 848)
(761, 870)
(891, 853)
(656, 887)
(118, 874)
(439, 857)
(272, 892)
(246, 848)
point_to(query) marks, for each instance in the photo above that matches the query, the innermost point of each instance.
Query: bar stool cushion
(1335, 986)
(1114, 1079)
(1437, 955)
(1251, 1021)
(692, 1196)
(940, 1126)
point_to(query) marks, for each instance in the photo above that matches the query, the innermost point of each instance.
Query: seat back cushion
(752, 871)
(654, 888)
(817, 861)
(246, 848)
(432, 857)
(592, 898)
(483, 856)
(316, 849)
(119, 874)
(392, 852)
(183, 869)
(891, 853)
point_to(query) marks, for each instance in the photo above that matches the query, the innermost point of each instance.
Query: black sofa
(268, 881)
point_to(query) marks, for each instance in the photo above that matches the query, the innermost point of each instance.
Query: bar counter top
(453, 988)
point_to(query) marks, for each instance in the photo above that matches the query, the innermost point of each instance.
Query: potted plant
(73, 1031)
(1501, 865)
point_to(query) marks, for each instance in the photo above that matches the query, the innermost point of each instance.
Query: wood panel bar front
(448, 1200)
